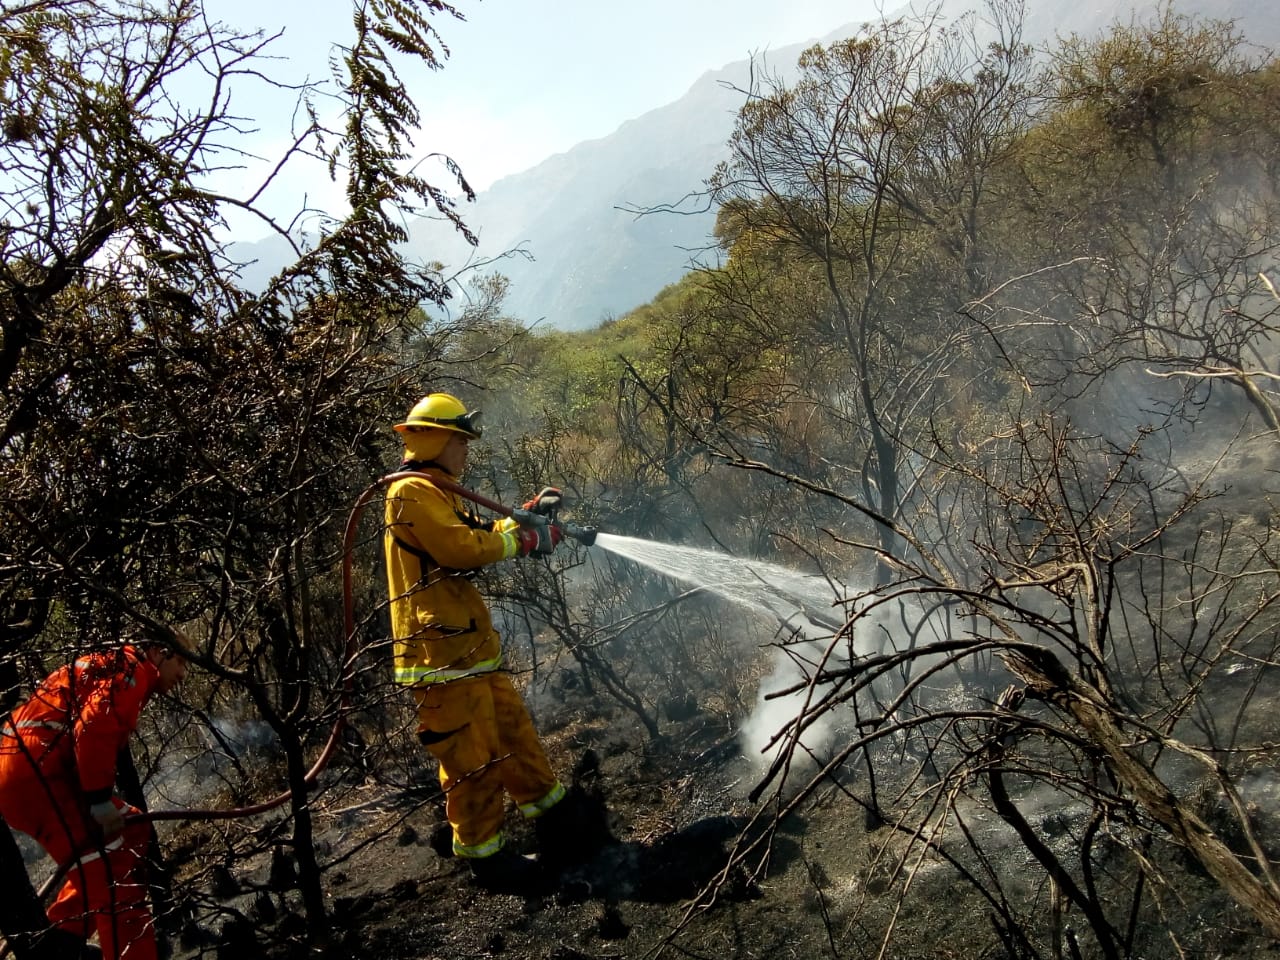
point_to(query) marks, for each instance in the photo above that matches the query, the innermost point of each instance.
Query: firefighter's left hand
(539, 540)
(109, 817)
(547, 501)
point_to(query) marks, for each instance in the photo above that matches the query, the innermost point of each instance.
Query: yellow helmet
(442, 411)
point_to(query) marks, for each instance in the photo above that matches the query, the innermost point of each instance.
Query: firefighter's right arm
(425, 516)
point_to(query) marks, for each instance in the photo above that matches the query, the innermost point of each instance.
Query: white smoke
(826, 645)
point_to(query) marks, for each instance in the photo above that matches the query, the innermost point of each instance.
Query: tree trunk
(304, 841)
(1049, 680)
(21, 920)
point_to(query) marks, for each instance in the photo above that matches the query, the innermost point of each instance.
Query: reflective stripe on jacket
(413, 674)
(440, 622)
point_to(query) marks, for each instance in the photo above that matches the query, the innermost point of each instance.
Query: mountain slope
(590, 257)
(583, 257)
(592, 260)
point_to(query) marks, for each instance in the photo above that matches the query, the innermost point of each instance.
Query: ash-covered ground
(828, 883)
(676, 808)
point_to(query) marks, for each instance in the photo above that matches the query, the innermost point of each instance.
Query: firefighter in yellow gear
(446, 650)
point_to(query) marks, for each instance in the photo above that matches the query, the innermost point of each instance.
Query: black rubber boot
(572, 831)
(507, 872)
(55, 944)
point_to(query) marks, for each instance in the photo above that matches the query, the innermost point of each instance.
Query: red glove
(547, 501)
(540, 540)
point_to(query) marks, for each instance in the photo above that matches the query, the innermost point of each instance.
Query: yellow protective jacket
(440, 622)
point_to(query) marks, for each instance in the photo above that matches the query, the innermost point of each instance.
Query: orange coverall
(57, 756)
(470, 716)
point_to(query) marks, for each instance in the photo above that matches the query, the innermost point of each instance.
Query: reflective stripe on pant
(105, 890)
(491, 749)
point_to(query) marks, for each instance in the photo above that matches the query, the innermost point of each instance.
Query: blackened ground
(660, 819)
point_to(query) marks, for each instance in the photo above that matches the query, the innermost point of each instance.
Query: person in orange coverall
(470, 716)
(57, 774)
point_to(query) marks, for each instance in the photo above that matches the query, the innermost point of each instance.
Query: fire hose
(583, 534)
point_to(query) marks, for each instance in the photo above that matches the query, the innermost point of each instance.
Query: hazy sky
(526, 79)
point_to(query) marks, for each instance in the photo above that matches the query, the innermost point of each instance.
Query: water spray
(796, 600)
(804, 606)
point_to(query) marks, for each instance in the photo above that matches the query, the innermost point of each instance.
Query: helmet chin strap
(416, 465)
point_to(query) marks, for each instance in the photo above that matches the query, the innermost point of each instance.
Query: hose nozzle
(584, 535)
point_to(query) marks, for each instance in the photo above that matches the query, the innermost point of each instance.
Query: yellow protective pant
(480, 732)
